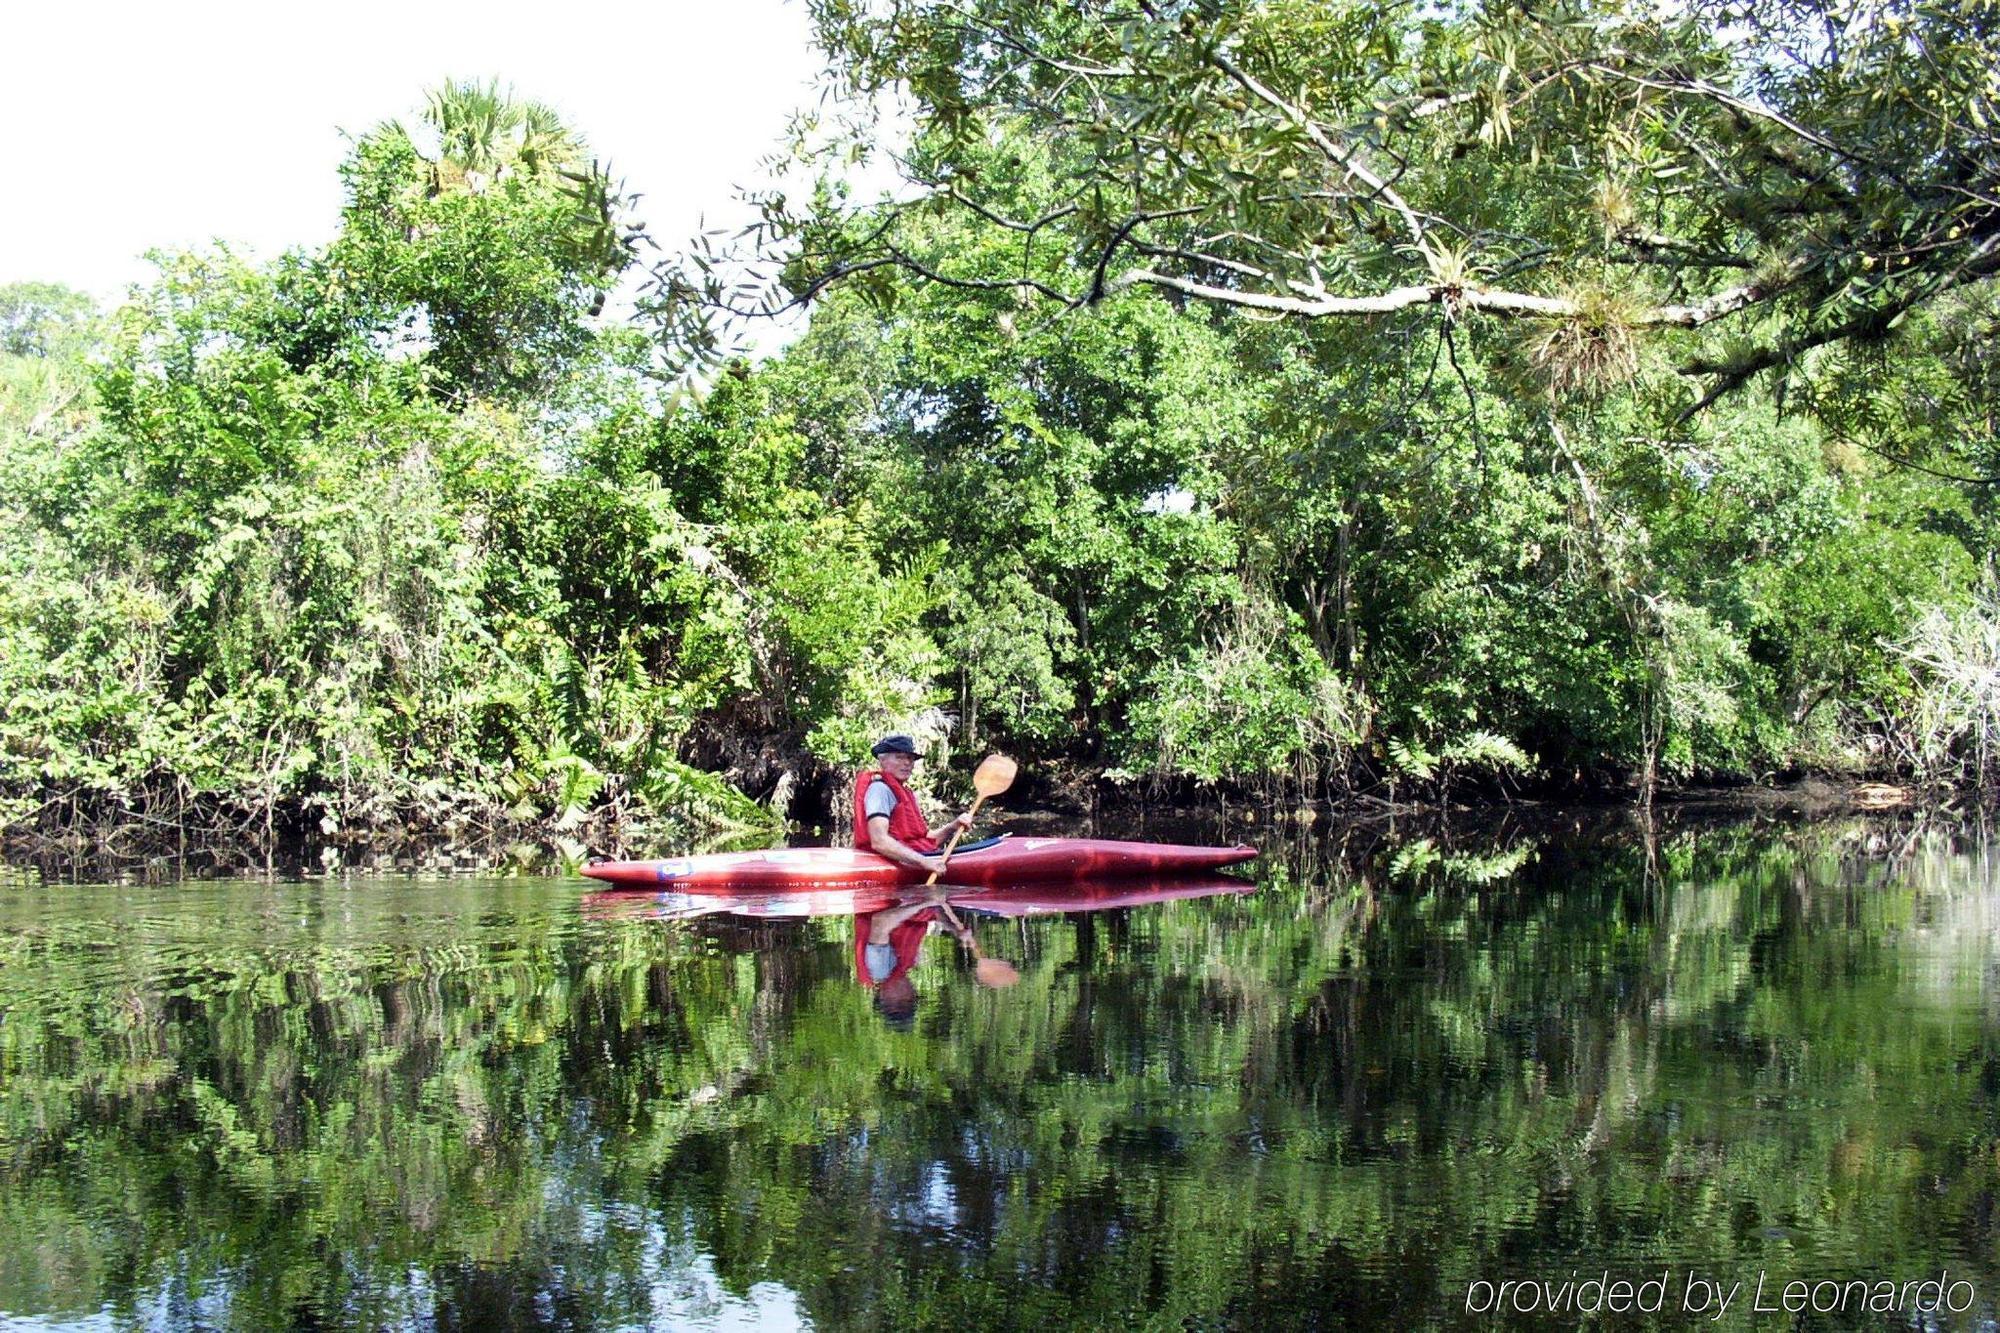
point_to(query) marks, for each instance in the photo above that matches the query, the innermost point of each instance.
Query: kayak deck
(1008, 861)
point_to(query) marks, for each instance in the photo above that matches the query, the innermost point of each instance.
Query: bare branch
(1430, 106)
(1758, 111)
(1726, 98)
(1011, 224)
(930, 274)
(1903, 460)
(1682, 253)
(1347, 159)
(1202, 259)
(1118, 238)
(1514, 304)
(1006, 40)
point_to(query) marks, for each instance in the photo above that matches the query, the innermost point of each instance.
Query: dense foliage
(278, 542)
(1819, 169)
(404, 533)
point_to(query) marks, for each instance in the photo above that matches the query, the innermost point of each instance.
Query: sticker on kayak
(667, 870)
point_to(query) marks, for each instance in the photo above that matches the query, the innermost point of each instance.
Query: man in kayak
(887, 819)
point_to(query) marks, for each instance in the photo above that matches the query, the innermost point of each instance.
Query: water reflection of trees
(1376, 1079)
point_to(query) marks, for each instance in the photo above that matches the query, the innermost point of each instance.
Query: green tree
(42, 319)
(1805, 172)
(480, 241)
(273, 575)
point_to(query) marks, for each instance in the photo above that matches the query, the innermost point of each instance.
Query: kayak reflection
(891, 924)
(1009, 900)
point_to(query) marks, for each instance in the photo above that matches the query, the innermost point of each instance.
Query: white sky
(168, 124)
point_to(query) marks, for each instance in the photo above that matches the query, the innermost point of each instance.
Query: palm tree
(484, 134)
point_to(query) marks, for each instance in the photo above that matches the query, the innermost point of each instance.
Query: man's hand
(964, 821)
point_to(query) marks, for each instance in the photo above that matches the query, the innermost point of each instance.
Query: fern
(1490, 751)
(1411, 759)
(1413, 858)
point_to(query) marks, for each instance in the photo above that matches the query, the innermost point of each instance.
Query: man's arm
(939, 833)
(886, 921)
(882, 844)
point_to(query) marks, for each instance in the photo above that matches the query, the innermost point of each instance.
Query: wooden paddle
(994, 775)
(995, 972)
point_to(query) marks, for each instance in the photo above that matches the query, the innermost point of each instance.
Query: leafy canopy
(1809, 171)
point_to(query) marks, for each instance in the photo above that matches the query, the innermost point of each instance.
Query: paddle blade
(994, 775)
(996, 972)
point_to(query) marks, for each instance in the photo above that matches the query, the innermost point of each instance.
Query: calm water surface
(1348, 1099)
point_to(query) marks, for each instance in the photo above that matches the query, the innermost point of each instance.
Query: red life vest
(905, 937)
(906, 821)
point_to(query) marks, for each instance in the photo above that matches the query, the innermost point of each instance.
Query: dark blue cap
(896, 744)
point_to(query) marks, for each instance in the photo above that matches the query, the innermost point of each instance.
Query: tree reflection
(1344, 1095)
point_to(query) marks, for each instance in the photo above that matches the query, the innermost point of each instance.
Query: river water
(1366, 1094)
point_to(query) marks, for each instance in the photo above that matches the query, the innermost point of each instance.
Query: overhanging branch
(1515, 304)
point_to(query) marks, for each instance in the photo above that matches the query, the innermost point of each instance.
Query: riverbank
(152, 850)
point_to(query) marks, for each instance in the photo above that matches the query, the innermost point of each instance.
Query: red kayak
(1007, 861)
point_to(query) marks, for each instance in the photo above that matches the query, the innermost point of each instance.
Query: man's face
(899, 766)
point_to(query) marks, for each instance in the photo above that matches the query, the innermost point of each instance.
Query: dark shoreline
(1101, 809)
